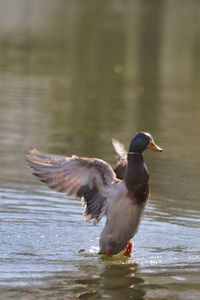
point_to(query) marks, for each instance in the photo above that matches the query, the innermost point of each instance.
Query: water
(71, 77)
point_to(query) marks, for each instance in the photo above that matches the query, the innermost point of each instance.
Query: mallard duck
(122, 201)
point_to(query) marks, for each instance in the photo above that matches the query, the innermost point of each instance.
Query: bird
(120, 196)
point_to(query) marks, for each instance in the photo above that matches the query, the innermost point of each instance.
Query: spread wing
(120, 167)
(88, 178)
(119, 149)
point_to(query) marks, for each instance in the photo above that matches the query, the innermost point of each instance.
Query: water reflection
(117, 281)
(151, 26)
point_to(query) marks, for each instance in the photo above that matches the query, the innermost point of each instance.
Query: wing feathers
(119, 149)
(89, 178)
(120, 167)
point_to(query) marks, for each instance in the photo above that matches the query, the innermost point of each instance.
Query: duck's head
(141, 142)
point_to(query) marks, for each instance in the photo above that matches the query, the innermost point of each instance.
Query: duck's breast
(123, 219)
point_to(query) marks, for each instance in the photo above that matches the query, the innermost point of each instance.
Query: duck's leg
(108, 253)
(128, 249)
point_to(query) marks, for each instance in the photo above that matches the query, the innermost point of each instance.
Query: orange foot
(108, 253)
(128, 249)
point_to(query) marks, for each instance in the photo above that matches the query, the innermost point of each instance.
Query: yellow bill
(152, 146)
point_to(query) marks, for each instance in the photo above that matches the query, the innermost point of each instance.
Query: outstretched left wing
(120, 167)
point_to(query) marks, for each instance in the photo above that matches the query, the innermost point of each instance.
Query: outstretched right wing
(90, 178)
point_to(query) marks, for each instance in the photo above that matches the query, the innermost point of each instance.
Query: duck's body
(122, 201)
(125, 210)
(123, 219)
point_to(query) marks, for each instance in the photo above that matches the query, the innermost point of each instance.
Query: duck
(119, 194)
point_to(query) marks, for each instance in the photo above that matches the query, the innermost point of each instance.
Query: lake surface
(72, 76)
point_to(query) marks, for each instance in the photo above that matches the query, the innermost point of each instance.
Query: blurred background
(74, 74)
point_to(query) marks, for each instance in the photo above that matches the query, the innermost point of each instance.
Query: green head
(141, 142)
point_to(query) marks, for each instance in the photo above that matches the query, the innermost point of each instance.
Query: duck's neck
(137, 178)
